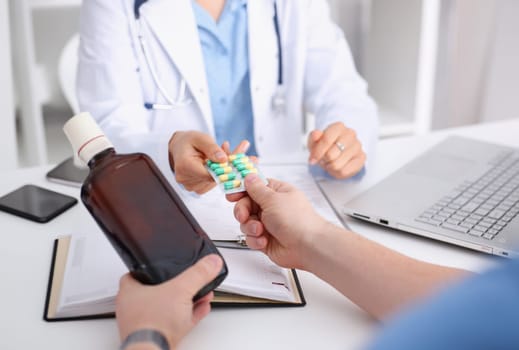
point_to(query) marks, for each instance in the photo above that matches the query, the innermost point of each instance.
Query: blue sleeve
(481, 312)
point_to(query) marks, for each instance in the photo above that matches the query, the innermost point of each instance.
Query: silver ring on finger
(340, 146)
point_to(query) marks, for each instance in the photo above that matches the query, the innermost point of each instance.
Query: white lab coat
(113, 81)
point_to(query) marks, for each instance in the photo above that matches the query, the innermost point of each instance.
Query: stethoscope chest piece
(182, 99)
(279, 101)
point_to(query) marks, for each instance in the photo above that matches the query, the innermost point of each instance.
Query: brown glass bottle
(144, 218)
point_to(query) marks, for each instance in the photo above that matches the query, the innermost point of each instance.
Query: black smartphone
(66, 173)
(36, 203)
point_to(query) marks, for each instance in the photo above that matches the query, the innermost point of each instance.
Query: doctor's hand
(337, 150)
(167, 307)
(278, 220)
(188, 151)
(241, 148)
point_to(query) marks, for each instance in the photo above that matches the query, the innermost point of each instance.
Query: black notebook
(85, 272)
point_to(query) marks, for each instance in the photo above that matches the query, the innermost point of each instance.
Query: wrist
(146, 338)
(316, 245)
(142, 346)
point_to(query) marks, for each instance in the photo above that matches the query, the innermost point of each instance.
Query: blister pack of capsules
(230, 175)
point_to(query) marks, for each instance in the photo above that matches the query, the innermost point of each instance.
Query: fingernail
(313, 161)
(220, 155)
(213, 260)
(254, 228)
(240, 216)
(246, 147)
(262, 241)
(249, 179)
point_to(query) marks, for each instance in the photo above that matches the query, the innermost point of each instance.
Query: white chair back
(67, 68)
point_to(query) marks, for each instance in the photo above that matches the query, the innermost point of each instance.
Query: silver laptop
(461, 191)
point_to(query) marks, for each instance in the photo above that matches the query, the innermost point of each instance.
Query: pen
(157, 106)
(238, 243)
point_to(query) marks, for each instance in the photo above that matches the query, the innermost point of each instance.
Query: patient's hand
(167, 307)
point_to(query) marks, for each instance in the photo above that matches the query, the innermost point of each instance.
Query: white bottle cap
(86, 137)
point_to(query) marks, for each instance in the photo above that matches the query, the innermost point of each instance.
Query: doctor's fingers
(313, 138)
(350, 163)
(345, 141)
(226, 147)
(205, 144)
(243, 147)
(199, 187)
(352, 167)
(193, 176)
(326, 143)
(340, 150)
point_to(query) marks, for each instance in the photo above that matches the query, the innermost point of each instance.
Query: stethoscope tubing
(278, 100)
(278, 41)
(181, 100)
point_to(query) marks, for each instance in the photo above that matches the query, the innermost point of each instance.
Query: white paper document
(93, 270)
(215, 214)
(252, 273)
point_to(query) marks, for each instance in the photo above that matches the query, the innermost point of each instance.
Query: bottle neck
(98, 158)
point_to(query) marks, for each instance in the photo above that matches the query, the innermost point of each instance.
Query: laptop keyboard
(481, 208)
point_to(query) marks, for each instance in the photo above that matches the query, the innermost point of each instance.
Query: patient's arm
(374, 277)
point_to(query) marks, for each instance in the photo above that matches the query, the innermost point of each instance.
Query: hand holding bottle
(168, 307)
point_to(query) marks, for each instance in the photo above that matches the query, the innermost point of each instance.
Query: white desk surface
(329, 321)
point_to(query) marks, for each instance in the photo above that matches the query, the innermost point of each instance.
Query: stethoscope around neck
(181, 100)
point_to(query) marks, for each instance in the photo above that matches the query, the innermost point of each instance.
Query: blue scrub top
(226, 58)
(481, 312)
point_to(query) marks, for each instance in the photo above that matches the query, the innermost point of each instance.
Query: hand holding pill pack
(230, 175)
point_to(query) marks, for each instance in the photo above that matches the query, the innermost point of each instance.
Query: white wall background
(52, 28)
(478, 72)
(501, 90)
(8, 155)
(477, 76)
(55, 25)
(353, 17)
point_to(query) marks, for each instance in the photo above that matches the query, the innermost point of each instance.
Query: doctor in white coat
(145, 74)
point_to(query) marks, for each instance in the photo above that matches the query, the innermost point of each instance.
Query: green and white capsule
(218, 165)
(227, 177)
(223, 170)
(244, 166)
(229, 185)
(240, 160)
(248, 171)
(236, 156)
